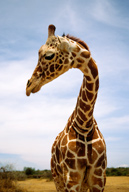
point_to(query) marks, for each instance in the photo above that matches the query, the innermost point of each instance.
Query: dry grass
(7, 185)
(114, 184)
(38, 185)
(117, 184)
(8, 181)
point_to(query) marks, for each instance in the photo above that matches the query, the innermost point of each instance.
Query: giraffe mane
(77, 40)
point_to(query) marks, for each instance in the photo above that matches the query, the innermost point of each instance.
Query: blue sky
(29, 125)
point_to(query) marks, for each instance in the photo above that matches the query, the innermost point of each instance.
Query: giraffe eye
(49, 57)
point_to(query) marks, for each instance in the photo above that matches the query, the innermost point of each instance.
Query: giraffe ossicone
(78, 160)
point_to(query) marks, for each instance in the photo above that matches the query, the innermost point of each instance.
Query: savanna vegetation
(10, 178)
(113, 184)
(120, 171)
(32, 173)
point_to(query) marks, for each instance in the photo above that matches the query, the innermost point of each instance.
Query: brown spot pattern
(98, 172)
(59, 69)
(70, 163)
(79, 120)
(77, 147)
(73, 54)
(79, 66)
(100, 161)
(72, 134)
(82, 115)
(84, 96)
(84, 82)
(80, 45)
(77, 49)
(94, 136)
(60, 61)
(92, 66)
(95, 189)
(89, 86)
(89, 123)
(89, 95)
(39, 69)
(52, 75)
(99, 146)
(66, 61)
(90, 113)
(42, 74)
(70, 155)
(56, 66)
(72, 63)
(104, 164)
(95, 97)
(97, 85)
(97, 181)
(65, 172)
(47, 73)
(52, 68)
(80, 60)
(52, 163)
(81, 163)
(75, 177)
(64, 141)
(59, 169)
(85, 54)
(63, 151)
(43, 63)
(88, 78)
(84, 106)
(92, 155)
(81, 137)
(58, 155)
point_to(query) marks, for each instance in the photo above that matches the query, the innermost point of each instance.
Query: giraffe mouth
(30, 90)
(35, 89)
(33, 86)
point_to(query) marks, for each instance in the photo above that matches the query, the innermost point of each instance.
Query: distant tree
(114, 172)
(120, 171)
(29, 170)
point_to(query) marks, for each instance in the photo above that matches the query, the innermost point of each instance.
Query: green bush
(120, 171)
(29, 170)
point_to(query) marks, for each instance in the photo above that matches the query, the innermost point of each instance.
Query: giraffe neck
(82, 117)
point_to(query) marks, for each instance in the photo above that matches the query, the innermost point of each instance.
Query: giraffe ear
(63, 45)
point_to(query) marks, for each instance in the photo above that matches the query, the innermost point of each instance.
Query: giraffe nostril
(28, 83)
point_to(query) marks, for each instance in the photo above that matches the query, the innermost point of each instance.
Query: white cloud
(30, 130)
(124, 165)
(104, 107)
(112, 139)
(109, 13)
(115, 123)
(13, 75)
(117, 157)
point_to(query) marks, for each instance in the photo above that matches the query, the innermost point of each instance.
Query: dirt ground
(113, 184)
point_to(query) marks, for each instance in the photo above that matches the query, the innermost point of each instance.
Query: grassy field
(114, 184)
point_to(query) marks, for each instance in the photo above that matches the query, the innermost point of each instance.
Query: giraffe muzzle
(31, 89)
(28, 92)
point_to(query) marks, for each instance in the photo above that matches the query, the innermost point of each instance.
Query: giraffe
(78, 162)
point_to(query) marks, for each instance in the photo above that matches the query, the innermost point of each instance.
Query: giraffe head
(53, 61)
(55, 58)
